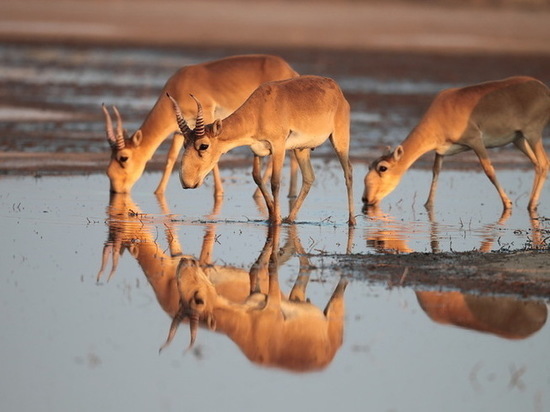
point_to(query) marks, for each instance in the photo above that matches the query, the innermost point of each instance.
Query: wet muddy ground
(444, 312)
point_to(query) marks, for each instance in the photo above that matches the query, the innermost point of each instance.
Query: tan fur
(222, 85)
(131, 229)
(298, 114)
(486, 115)
(504, 317)
(292, 334)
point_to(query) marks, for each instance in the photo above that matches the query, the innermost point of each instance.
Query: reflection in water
(390, 235)
(502, 316)
(270, 330)
(246, 305)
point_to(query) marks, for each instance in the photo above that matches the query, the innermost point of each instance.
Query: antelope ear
(134, 251)
(398, 152)
(217, 127)
(211, 322)
(137, 137)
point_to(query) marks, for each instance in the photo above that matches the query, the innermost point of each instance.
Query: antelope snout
(368, 201)
(189, 186)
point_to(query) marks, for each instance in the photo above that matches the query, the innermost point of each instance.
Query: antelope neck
(415, 145)
(237, 130)
(155, 129)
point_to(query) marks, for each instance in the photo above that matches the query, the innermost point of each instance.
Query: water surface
(85, 345)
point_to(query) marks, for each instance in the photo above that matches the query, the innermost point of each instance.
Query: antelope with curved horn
(293, 334)
(298, 114)
(478, 117)
(222, 85)
(132, 230)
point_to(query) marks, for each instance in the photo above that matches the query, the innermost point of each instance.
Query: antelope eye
(203, 146)
(382, 169)
(197, 299)
(123, 159)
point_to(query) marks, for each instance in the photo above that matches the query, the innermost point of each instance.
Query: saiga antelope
(222, 85)
(505, 317)
(133, 230)
(298, 114)
(270, 330)
(478, 117)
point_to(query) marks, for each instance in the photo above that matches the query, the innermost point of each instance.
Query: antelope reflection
(270, 330)
(389, 236)
(505, 317)
(246, 305)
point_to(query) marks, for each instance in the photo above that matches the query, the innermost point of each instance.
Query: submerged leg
(438, 161)
(278, 155)
(257, 176)
(340, 141)
(266, 176)
(303, 157)
(540, 160)
(175, 147)
(293, 189)
(218, 185)
(479, 148)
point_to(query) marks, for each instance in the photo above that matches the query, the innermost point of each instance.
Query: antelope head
(201, 151)
(383, 176)
(125, 167)
(197, 299)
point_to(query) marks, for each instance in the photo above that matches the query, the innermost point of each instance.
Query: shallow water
(73, 343)
(85, 345)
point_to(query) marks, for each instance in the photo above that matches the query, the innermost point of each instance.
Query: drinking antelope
(240, 288)
(132, 230)
(298, 114)
(222, 85)
(478, 117)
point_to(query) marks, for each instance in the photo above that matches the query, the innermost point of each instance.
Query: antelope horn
(178, 318)
(107, 249)
(199, 123)
(114, 248)
(117, 252)
(185, 130)
(193, 327)
(120, 144)
(109, 127)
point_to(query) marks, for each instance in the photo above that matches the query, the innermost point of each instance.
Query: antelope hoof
(275, 220)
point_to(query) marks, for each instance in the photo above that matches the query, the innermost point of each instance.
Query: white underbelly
(298, 140)
(261, 148)
(452, 149)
